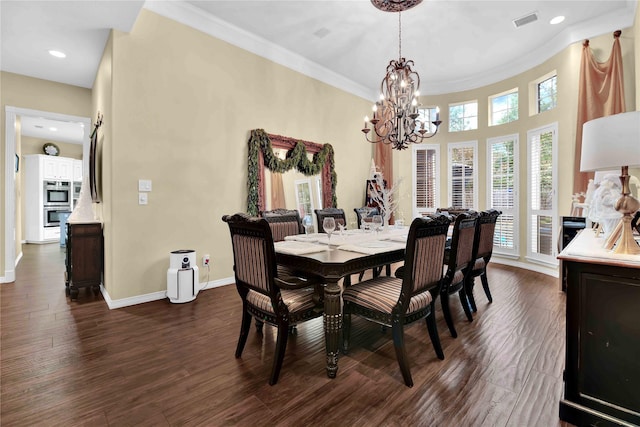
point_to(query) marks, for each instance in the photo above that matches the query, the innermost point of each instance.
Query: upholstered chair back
(336, 213)
(424, 257)
(283, 223)
(253, 254)
(487, 226)
(462, 241)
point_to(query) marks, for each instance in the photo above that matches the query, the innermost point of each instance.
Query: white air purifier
(183, 282)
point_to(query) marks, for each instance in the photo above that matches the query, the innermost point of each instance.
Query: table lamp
(610, 142)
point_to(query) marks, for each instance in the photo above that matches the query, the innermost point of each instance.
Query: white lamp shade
(611, 142)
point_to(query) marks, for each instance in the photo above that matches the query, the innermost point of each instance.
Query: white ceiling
(56, 130)
(456, 44)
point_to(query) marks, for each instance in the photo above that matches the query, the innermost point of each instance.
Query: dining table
(349, 252)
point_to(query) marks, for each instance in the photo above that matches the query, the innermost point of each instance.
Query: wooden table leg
(332, 325)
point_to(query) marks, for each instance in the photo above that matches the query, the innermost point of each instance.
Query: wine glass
(340, 225)
(353, 221)
(329, 226)
(377, 222)
(307, 223)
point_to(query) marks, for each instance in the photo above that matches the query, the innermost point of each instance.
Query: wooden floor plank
(162, 364)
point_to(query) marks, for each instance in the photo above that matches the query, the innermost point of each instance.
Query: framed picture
(17, 163)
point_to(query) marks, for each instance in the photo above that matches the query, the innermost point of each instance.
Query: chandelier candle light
(395, 116)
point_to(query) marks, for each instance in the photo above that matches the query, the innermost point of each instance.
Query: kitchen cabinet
(41, 173)
(57, 168)
(602, 368)
(77, 170)
(84, 260)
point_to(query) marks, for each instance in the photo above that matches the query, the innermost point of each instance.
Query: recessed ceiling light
(57, 54)
(556, 20)
(52, 129)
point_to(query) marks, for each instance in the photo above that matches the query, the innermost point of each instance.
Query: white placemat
(309, 238)
(373, 247)
(298, 248)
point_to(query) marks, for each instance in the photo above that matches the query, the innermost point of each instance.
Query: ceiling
(456, 44)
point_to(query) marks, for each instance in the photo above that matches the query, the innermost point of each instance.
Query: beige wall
(36, 94)
(183, 104)
(566, 64)
(102, 102)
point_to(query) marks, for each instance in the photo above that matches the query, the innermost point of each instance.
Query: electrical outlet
(205, 260)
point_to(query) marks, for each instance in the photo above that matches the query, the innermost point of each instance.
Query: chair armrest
(293, 282)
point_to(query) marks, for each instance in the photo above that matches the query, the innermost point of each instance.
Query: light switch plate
(143, 199)
(144, 185)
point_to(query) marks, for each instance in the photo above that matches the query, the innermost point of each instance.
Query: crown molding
(620, 19)
(193, 17)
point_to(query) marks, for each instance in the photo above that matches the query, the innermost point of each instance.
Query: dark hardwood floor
(79, 363)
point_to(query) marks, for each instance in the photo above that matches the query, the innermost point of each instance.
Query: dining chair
(278, 301)
(393, 302)
(454, 212)
(365, 212)
(459, 260)
(483, 248)
(336, 213)
(283, 223)
(361, 214)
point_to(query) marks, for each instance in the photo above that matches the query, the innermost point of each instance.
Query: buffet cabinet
(602, 356)
(84, 259)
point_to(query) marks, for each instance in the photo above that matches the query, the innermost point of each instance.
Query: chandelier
(395, 115)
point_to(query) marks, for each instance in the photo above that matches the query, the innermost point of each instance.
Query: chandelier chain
(399, 36)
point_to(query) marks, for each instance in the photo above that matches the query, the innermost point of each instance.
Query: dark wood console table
(602, 361)
(84, 259)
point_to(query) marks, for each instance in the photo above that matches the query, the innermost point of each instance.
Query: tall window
(463, 116)
(427, 116)
(463, 176)
(547, 94)
(503, 107)
(426, 179)
(502, 195)
(542, 174)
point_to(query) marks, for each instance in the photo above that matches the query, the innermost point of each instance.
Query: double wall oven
(56, 200)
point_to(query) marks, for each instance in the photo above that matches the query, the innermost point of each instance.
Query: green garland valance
(296, 158)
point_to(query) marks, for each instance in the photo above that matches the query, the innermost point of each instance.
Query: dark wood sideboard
(602, 356)
(84, 259)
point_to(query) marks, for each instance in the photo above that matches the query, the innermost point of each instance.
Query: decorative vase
(83, 211)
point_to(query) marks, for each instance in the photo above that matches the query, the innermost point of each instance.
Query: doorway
(12, 253)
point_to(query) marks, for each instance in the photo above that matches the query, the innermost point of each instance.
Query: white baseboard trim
(154, 296)
(10, 275)
(549, 271)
